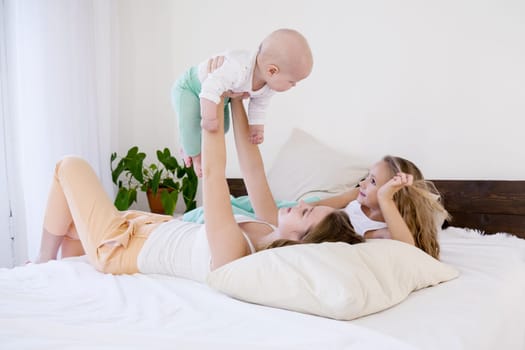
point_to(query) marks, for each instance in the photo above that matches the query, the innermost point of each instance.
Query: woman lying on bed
(133, 241)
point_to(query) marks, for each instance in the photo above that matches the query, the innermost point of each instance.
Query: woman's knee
(69, 163)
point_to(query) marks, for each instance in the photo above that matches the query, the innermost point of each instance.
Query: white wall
(439, 82)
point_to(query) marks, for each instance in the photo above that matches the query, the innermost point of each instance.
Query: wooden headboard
(487, 205)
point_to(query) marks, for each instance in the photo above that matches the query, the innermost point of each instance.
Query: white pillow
(334, 280)
(307, 167)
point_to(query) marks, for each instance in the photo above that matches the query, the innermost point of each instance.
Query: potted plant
(162, 181)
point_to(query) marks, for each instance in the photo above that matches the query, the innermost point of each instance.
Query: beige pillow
(307, 167)
(334, 280)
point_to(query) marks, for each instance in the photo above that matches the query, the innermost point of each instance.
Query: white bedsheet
(68, 305)
(483, 309)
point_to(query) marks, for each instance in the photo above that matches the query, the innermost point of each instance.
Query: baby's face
(284, 80)
(281, 82)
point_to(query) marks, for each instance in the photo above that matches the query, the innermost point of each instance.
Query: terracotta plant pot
(155, 204)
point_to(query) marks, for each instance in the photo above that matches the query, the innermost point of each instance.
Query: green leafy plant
(166, 177)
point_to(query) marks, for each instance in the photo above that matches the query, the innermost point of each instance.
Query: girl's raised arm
(339, 201)
(397, 226)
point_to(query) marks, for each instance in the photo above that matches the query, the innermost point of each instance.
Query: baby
(283, 59)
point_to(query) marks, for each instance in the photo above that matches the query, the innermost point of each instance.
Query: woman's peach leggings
(78, 204)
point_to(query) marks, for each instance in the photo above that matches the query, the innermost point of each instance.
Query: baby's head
(284, 59)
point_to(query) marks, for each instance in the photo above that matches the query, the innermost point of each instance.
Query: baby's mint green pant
(185, 100)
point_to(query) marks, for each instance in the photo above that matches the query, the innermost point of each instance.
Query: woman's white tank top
(180, 248)
(360, 221)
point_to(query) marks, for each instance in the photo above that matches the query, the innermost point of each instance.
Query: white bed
(66, 304)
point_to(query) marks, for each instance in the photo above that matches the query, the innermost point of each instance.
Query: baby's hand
(396, 183)
(256, 134)
(216, 62)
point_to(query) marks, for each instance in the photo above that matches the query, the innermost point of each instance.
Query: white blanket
(68, 305)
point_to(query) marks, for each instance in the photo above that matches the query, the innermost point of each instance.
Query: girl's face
(378, 175)
(294, 223)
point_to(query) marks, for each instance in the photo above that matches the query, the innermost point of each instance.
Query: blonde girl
(394, 201)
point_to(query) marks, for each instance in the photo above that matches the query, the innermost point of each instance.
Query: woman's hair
(335, 227)
(418, 204)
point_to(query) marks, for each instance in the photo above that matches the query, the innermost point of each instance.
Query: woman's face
(378, 175)
(294, 223)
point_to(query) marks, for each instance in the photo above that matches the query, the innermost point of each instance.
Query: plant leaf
(189, 190)
(115, 173)
(122, 200)
(132, 196)
(134, 164)
(169, 201)
(169, 162)
(154, 184)
(169, 183)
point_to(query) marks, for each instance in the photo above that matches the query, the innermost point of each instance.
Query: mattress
(68, 304)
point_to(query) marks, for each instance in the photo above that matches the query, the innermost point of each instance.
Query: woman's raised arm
(225, 238)
(252, 167)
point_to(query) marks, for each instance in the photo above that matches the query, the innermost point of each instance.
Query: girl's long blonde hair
(418, 204)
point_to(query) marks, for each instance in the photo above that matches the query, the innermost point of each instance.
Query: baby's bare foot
(185, 158)
(197, 165)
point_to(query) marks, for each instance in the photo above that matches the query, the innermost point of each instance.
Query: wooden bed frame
(488, 205)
